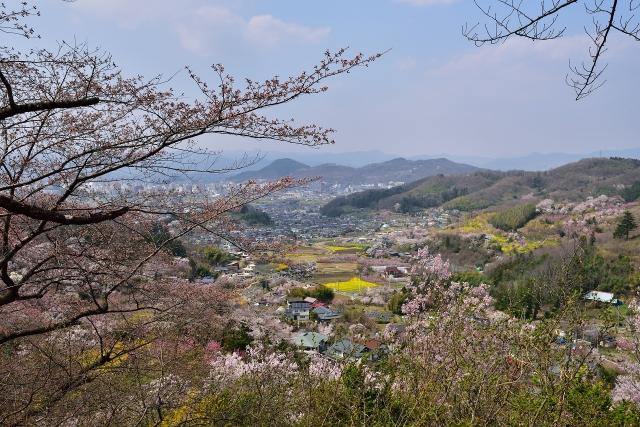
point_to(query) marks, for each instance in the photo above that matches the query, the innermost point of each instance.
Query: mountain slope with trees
(484, 189)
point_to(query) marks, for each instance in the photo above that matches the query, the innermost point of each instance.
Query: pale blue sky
(433, 93)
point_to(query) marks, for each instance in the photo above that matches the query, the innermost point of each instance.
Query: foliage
(505, 243)
(297, 293)
(509, 245)
(513, 218)
(320, 292)
(216, 256)
(616, 275)
(477, 224)
(474, 278)
(236, 338)
(527, 283)
(410, 197)
(365, 199)
(458, 362)
(631, 193)
(412, 203)
(254, 216)
(160, 236)
(282, 267)
(626, 224)
(452, 242)
(467, 203)
(199, 270)
(396, 302)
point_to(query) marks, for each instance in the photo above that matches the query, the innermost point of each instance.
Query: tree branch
(17, 109)
(37, 213)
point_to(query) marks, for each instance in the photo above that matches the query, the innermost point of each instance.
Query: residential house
(233, 266)
(372, 344)
(346, 349)
(297, 309)
(311, 341)
(380, 316)
(325, 314)
(378, 268)
(377, 350)
(394, 272)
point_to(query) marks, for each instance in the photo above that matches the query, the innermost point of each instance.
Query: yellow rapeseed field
(354, 284)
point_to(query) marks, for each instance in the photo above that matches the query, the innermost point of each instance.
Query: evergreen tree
(626, 224)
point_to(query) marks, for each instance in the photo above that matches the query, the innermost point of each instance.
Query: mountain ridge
(487, 188)
(397, 170)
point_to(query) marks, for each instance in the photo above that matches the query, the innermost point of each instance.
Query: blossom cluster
(627, 386)
(322, 367)
(256, 362)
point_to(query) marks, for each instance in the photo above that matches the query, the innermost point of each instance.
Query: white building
(598, 296)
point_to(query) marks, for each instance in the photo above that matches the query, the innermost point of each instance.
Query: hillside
(484, 189)
(396, 170)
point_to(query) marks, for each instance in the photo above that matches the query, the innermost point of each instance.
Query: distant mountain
(309, 156)
(395, 170)
(484, 189)
(537, 161)
(276, 169)
(316, 157)
(534, 161)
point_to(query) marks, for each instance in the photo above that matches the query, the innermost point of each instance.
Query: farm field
(355, 284)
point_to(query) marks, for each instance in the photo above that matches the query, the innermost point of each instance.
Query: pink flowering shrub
(627, 387)
(258, 362)
(430, 287)
(324, 368)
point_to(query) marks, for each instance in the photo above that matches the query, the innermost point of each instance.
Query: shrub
(320, 292)
(236, 338)
(474, 278)
(396, 302)
(216, 256)
(160, 236)
(254, 216)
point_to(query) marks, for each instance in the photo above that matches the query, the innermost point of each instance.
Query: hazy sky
(433, 93)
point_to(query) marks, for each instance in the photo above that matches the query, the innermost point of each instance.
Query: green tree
(631, 193)
(626, 224)
(396, 302)
(236, 338)
(323, 293)
(297, 293)
(161, 237)
(216, 256)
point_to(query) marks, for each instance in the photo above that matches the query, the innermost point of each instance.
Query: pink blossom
(256, 362)
(627, 387)
(321, 367)
(430, 287)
